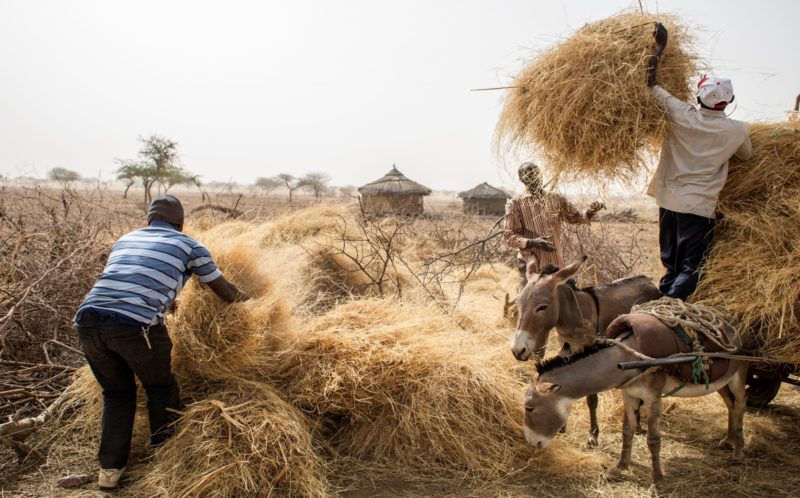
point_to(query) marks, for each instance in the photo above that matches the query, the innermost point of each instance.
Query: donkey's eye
(541, 308)
(529, 409)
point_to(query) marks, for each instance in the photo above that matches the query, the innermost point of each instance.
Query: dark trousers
(115, 354)
(685, 239)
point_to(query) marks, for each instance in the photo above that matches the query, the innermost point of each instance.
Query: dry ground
(690, 428)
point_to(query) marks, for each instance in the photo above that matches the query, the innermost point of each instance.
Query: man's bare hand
(227, 291)
(544, 243)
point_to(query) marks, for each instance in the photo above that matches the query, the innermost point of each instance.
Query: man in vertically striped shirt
(533, 221)
(121, 327)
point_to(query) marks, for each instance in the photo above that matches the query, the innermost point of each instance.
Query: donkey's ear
(532, 268)
(547, 387)
(567, 272)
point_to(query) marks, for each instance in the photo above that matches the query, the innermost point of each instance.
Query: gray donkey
(551, 301)
(594, 370)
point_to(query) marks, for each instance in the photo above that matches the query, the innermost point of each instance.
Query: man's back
(693, 166)
(145, 271)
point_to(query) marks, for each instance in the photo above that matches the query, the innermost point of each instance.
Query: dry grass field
(373, 361)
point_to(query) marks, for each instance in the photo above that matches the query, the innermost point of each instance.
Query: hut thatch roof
(394, 183)
(484, 191)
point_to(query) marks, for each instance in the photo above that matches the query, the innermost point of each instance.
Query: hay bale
(583, 105)
(752, 268)
(240, 440)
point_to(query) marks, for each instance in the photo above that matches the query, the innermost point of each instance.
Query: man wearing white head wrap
(691, 172)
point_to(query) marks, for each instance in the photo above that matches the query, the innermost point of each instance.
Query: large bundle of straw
(583, 105)
(242, 440)
(396, 385)
(753, 268)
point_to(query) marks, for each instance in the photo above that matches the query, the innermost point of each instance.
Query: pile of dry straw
(753, 268)
(285, 401)
(583, 105)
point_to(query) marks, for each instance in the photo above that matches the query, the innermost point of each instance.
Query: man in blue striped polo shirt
(121, 327)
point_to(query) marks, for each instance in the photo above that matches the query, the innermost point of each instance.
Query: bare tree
(267, 185)
(316, 182)
(291, 183)
(347, 191)
(63, 176)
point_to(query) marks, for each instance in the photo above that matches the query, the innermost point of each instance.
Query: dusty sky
(348, 87)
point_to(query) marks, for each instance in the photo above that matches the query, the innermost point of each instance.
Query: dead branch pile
(52, 246)
(752, 270)
(583, 105)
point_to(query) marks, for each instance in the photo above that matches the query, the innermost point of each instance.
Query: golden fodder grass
(303, 224)
(241, 439)
(398, 384)
(583, 105)
(753, 268)
(217, 341)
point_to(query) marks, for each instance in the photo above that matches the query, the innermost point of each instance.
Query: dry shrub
(584, 105)
(239, 440)
(52, 247)
(753, 268)
(609, 257)
(358, 257)
(395, 385)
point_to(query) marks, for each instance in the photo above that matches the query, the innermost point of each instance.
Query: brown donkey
(594, 370)
(550, 301)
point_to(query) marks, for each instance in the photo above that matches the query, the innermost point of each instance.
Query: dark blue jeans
(685, 239)
(116, 353)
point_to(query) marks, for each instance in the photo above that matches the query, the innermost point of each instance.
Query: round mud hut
(393, 194)
(484, 199)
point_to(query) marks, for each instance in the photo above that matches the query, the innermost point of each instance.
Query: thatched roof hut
(484, 199)
(393, 193)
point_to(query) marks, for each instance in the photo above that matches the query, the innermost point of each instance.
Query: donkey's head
(546, 412)
(538, 308)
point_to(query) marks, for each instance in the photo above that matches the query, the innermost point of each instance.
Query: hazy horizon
(348, 88)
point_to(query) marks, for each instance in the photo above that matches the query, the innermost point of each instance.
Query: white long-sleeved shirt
(694, 156)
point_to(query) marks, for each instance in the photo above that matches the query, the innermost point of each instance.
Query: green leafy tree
(157, 165)
(142, 171)
(177, 176)
(160, 151)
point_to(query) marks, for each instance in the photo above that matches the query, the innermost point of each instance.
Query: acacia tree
(142, 171)
(316, 182)
(157, 164)
(177, 176)
(161, 151)
(63, 176)
(267, 185)
(291, 183)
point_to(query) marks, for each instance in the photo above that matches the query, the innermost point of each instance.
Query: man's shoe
(109, 478)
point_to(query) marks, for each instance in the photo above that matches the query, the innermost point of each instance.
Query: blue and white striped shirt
(144, 273)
